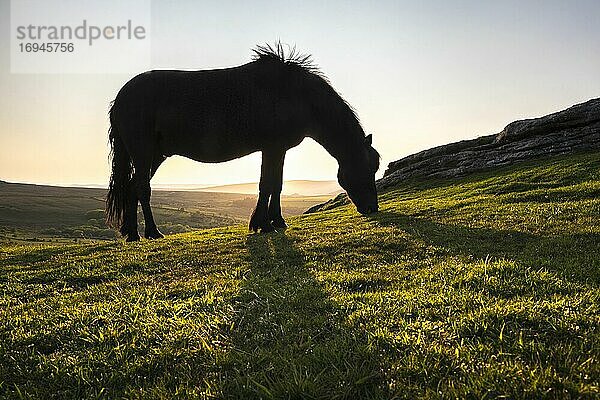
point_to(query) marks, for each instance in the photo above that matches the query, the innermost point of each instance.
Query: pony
(269, 105)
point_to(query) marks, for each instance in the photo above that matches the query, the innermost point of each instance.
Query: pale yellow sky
(419, 75)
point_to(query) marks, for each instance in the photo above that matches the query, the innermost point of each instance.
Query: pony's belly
(209, 151)
(213, 158)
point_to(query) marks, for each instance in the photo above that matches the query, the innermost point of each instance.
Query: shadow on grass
(575, 257)
(289, 339)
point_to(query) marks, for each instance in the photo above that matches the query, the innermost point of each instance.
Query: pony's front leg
(275, 211)
(275, 202)
(260, 219)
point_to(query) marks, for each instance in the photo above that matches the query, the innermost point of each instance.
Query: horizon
(246, 188)
(418, 75)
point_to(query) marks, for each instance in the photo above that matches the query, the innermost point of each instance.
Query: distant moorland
(34, 213)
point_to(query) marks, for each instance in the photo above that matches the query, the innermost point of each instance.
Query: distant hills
(290, 188)
(36, 212)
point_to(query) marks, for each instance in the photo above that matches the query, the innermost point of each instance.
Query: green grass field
(484, 287)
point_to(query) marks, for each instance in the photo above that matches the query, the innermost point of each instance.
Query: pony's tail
(120, 179)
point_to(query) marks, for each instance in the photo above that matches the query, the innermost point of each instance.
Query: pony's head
(357, 177)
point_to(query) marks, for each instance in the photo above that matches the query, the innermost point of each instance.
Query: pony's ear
(369, 139)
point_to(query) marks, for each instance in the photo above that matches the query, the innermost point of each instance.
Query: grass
(484, 287)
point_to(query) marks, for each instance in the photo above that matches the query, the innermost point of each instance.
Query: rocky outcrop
(337, 201)
(576, 129)
(573, 130)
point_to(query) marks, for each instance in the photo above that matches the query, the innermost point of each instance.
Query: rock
(585, 115)
(573, 130)
(337, 201)
(576, 129)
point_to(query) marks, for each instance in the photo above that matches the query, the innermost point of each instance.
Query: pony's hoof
(259, 221)
(254, 227)
(132, 238)
(279, 224)
(267, 228)
(154, 235)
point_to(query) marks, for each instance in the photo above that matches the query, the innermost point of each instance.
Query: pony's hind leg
(142, 185)
(144, 168)
(144, 191)
(129, 226)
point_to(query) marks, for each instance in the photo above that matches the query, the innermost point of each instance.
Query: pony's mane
(304, 63)
(293, 57)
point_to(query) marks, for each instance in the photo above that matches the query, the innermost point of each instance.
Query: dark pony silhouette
(270, 105)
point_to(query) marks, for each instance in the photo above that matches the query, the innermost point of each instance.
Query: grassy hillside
(482, 287)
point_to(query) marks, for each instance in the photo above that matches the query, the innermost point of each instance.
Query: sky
(419, 74)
